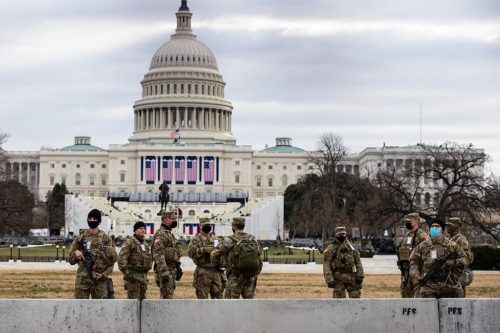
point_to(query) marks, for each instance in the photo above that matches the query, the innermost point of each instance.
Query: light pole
(19, 253)
(57, 253)
(63, 248)
(11, 247)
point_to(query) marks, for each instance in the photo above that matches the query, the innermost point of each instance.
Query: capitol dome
(182, 52)
(183, 92)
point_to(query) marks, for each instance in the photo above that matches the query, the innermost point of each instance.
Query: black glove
(164, 278)
(331, 284)
(359, 280)
(178, 272)
(129, 276)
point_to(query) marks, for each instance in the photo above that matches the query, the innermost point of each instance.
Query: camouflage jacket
(135, 257)
(196, 250)
(427, 252)
(165, 250)
(341, 258)
(218, 259)
(102, 249)
(410, 242)
(462, 241)
(228, 250)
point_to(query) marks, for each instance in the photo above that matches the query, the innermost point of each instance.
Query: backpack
(246, 254)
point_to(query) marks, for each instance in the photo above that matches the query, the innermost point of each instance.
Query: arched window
(192, 212)
(284, 180)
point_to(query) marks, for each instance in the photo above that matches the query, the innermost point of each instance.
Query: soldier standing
(206, 280)
(342, 266)
(413, 237)
(135, 261)
(453, 226)
(95, 254)
(244, 256)
(436, 264)
(166, 256)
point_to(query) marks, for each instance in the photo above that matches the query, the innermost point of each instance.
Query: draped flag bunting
(208, 170)
(180, 166)
(150, 169)
(150, 228)
(167, 166)
(192, 163)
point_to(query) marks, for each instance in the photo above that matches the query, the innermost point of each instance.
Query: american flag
(167, 169)
(179, 170)
(150, 170)
(208, 170)
(191, 169)
(175, 134)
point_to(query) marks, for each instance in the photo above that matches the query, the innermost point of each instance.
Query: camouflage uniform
(206, 280)
(135, 261)
(220, 261)
(444, 283)
(341, 266)
(166, 255)
(103, 250)
(240, 283)
(461, 241)
(405, 247)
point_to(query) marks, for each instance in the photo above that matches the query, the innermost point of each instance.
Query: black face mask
(173, 225)
(408, 225)
(92, 224)
(234, 230)
(206, 229)
(341, 239)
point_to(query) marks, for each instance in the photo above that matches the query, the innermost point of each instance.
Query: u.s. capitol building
(182, 135)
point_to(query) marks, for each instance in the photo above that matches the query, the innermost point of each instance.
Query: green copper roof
(81, 148)
(283, 149)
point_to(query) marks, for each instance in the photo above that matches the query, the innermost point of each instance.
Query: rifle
(178, 271)
(111, 289)
(89, 261)
(437, 265)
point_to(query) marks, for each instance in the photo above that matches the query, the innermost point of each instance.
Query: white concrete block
(44, 316)
(467, 315)
(294, 315)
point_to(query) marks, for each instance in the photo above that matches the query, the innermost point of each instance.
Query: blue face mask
(435, 231)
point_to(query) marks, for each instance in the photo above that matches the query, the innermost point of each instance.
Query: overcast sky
(293, 68)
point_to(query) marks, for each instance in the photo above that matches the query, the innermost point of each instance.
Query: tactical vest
(140, 258)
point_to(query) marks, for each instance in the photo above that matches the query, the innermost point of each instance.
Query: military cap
(204, 220)
(171, 214)
(239, 221)
(410, 217)
(340, 229)
(454, 221)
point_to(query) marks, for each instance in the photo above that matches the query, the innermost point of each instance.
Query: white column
(177, 118)
(185, 117)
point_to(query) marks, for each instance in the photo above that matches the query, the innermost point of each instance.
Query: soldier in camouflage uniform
(342, 266)
(453, 226)
(134, 261)
(444, 283)
(221, 263)
(102, 249)
(166, 256)
(240, 283)
(206, 279)
(413, 237)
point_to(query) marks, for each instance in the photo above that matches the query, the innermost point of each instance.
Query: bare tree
(331, 150)
(3, 155)
(452, 177)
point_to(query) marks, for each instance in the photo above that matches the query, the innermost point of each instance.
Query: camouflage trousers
(136, 289)
(85, 287)
(207, 283)
(167, 288)
(239, 285)
(344, 282)
(435, 290)
(407, 287)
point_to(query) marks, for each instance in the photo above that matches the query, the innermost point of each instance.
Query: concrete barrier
(44, 316)
(294, 315)
(470, 315)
